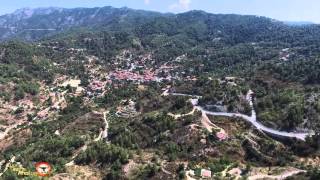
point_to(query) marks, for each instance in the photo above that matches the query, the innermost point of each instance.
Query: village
(51, 99)
(127, 68)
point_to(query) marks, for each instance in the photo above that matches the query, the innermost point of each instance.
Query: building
(205, 173)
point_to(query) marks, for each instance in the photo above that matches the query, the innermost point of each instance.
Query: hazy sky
(288, 10)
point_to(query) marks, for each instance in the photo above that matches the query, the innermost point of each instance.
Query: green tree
(19, 94)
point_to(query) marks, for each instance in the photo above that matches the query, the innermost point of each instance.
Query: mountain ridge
(15, 24)
(22, 23)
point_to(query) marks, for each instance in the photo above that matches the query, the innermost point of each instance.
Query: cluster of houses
(136, 68)
(97, 85)
(127, 109)
(204, 173)
(74, 83)
(146, 76)
(135, 71)
(139, 61)
(285, 54)
(234, 173)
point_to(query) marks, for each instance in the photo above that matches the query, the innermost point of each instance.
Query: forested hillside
(107, 93)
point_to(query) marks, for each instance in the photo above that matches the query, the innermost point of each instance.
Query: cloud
(146, 1)
(182, 5)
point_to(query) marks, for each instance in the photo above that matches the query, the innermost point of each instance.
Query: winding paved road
(252, 119)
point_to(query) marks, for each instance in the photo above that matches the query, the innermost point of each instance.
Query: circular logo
(43, 168)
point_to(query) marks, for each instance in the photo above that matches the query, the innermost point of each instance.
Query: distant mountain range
(34, 24)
